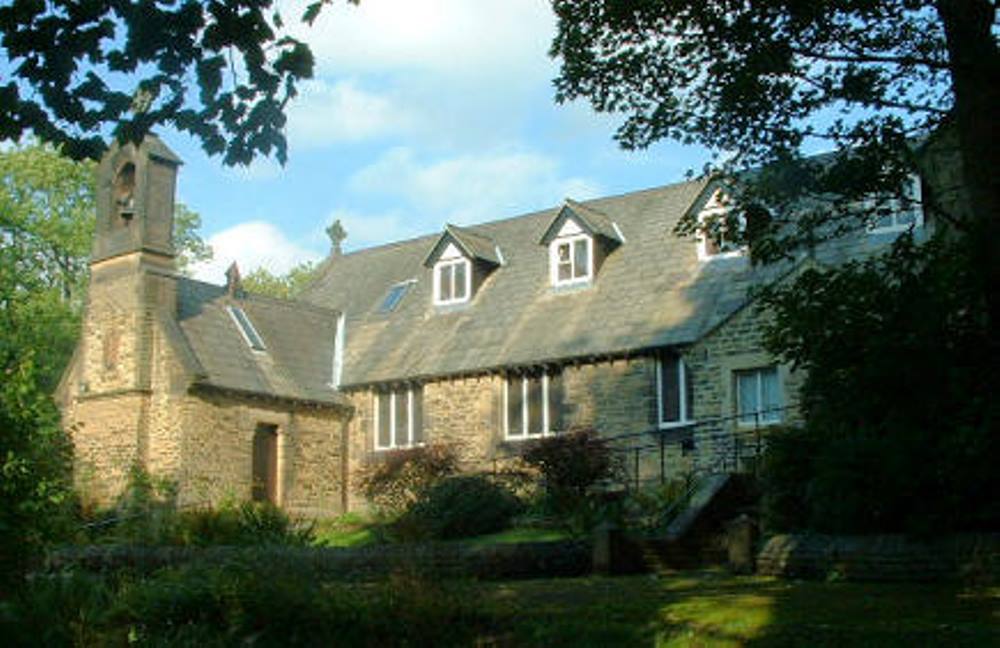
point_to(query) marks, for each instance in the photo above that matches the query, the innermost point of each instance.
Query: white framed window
(758, 397)
(715, 241)
(673, 392)
(398, 418)
(571, 260)
(532, 406)
(452, 281)
(898, 214)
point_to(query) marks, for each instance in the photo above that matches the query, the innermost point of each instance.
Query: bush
(459, 507)
(250, 523)
(570, 465)
(402, 476)
(244, 601)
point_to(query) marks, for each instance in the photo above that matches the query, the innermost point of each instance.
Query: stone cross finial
(234, 284)
(337, 234)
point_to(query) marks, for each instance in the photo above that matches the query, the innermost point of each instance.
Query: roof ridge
(260, 297)
(474, 227)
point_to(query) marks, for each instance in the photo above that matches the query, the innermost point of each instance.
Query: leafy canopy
(764, 82)
(46, 230)
(221, 71)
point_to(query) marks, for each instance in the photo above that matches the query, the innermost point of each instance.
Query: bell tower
(135, 200)
(122, 359)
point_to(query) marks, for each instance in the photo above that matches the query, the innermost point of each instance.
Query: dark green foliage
(571, 466)
(34, 472)
(400, 477)
(769, 81)
(899, 396)
(221, 71)
(242, 602)
(459, 507)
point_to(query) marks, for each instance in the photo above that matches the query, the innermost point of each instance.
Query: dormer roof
(594, 222)
(475, 247)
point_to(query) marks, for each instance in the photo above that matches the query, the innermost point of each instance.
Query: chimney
(234, 284)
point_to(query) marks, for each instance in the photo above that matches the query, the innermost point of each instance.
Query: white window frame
(525, 410)
(685, 416)
(449, 265)
(554, 260)
(393, 404)
(703, 252)
(913, 196)
(760, 418)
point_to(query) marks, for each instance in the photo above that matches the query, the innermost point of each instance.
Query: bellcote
(135, 200)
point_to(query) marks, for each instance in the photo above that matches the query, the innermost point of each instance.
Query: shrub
(401, 477)
(459, 507)
(250, 523)
(570, 465)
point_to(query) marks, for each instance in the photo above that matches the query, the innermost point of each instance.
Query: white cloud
(471, 188)
(450, 37)
(327, 113)
(254, 244)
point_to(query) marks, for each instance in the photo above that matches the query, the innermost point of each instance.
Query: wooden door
(265, 464)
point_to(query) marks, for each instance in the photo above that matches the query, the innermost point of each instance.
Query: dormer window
(461, 260)
(716, 238)
(452, 281)
(898, 214)
(571, 259)
(579, 238)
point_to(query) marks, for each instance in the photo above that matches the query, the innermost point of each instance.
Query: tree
(221, 71)
(286, 286)
(47, 215)
(900, 352)
(762, 80)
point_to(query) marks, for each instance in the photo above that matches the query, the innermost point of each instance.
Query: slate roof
(473, 245)
(299, 340)
(650, 292)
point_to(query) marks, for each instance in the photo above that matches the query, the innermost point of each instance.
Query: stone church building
(591, 314)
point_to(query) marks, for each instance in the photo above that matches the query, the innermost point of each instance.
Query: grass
(713, 609)
(353, 530)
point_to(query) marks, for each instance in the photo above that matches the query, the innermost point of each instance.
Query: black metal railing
(720, 444)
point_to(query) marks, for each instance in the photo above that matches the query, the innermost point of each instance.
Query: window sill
(677, 425)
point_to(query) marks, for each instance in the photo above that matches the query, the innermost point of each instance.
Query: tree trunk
(975, 72)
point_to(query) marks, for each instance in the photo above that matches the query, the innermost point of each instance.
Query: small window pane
(418, 415)
(459, 287)
(515, 404)
(556, 403)
(444, 283)
(770, 395)
(402, 417)
(536, 422)
(688, 393)
(384, 419)
(746, 394)
(670, 394)
(581, 259)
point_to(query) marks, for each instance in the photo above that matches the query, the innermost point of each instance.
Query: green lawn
(352, 530)
(714, 609)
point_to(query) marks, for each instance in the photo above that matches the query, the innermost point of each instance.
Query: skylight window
(245, 326)
(394, 296)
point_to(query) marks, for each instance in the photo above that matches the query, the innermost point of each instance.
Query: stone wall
(735, 345)
(972, 558)
(219, 430)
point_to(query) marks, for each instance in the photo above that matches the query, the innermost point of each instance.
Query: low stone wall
(493, 562)
(973, 558)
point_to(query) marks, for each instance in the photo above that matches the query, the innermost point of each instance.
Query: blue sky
(422, 112)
